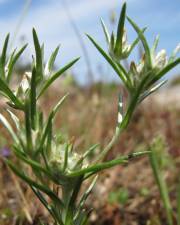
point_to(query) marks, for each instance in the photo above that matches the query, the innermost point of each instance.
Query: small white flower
(57, 157)
(176, 50)
(140, 66)
(160, 59)
(46, 71)
(25, 83)
(29, 75)
(125, 46)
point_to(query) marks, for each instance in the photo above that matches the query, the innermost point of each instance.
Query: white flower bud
(160, 59)
(176, 50)
(25, 84)
(46, 71)
(140, 66)
(57, 157)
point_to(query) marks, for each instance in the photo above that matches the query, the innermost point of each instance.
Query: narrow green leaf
(155, 44)
(102, 166)
(39, 59)
(120, 30)
(45, 134)
(48, 128)
(135, 42)
(33, 98)
(86, 154)
(106, 33)
(112, 44)
(162, 186)
(4, 51)
(13, 61)
(164, 71)
(55, 76)
(50, 63)
(49, 143)
(152, 90)
(109, 60)
(85, 196)
(42, 200)
(66, 157)
(174, 54)
(71, 205)
(33, 183)
(58, 105)
(6, 124)
(28, 131)
(35, 165)
(8, 93)
(144, 42)
(14, 118)
(10, 60)
(3, 57)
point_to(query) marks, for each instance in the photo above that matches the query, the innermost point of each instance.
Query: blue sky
(51, 22)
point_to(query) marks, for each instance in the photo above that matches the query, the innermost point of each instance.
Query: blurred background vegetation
(123, 195)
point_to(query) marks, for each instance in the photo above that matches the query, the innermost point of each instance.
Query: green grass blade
(48, 128)
(33, 98)
(3, 57)
(4, 51)
(71, 204)
(66, 157)
(120, 30)
(102, 166)
(109, 60)
(13, 61)
(164, 71)
(152, 90)
(14, 118)
(85, 196)
(86, 155)
(46, 205)
(58, 105)
(106, 33)
(33, 183)
(155, 44)
(50, 63)
(112, 44)
(42, 200)
(28, 131)
(35, 165)
(162, 186)
(7, 125)
(144, 42)
(56, 75)
(46, 151)
(5, 90)
(39, 59)
(136, 41)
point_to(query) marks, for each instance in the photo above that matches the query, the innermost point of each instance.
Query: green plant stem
(95, 168)
(110, 145)
(120, 128)
(162, 187)
(28, 128)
